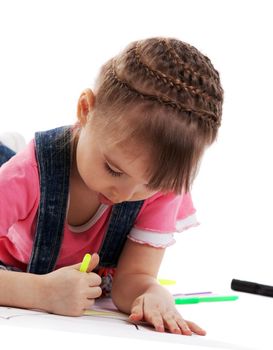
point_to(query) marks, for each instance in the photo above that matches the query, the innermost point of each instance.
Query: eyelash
(111, 171)
(116, 174)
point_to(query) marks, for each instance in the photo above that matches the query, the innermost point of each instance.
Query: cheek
(145, 194)
(89, 168)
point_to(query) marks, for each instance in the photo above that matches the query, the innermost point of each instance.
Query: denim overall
(5, 153)
(53, 154)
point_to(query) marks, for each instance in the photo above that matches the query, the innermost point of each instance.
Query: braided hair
(166, 95)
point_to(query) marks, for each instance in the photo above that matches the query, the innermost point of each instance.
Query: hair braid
(163, 94)
(168, 80)
(208, 117)
(186, 66)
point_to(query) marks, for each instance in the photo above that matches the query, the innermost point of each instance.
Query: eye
(111, 171)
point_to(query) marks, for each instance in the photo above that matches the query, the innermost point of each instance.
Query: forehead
(130, 152)
(119, 139)
(131, 157)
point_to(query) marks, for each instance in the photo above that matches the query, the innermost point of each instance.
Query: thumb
(92, 264)
(137, 309)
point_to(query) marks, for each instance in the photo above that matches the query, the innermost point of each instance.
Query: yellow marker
(166, 282)
(85, 263)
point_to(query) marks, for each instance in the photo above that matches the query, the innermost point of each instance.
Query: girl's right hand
(67, 291)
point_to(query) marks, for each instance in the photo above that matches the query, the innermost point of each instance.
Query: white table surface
(242, 324)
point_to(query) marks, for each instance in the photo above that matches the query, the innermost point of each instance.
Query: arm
(137, 270)
(20, 289)
(65, 291)
(136, 291)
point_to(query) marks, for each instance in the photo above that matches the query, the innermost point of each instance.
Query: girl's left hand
(162, 314)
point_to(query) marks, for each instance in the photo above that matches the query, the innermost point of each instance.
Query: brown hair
(167, 95)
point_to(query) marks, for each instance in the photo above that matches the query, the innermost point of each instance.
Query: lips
(104, 200)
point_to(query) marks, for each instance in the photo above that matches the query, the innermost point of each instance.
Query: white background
(52, 50)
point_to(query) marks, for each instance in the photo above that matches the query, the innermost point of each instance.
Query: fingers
(169, 320)
(183, 326)
(153, 317)
(93, 262)
(89, 303)
(137, 310)
(157, 321)
(94, 292)
(160, 321)
(195, 328)
(93, 279)
(176, 324)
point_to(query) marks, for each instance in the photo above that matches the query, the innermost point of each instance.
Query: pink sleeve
(18, 189)
(186, 217)
(161, 216)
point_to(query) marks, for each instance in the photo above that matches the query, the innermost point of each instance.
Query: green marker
(85, 263)
(180, 301)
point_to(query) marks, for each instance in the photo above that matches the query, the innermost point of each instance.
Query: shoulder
(161, 211)
(161, 216)
(20, 170)
(19, 187)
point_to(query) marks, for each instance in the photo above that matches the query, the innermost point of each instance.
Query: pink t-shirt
(159, 218)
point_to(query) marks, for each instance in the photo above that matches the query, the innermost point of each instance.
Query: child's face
(110, 170)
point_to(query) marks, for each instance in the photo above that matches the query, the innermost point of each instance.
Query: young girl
(115, 184)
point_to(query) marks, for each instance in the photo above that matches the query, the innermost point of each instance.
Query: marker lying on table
(182, 295)
(85, 263)
(252, 287)
(180, 301)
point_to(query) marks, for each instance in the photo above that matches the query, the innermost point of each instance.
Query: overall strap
(53, 153)
(121, 221)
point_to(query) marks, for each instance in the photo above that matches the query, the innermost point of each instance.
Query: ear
(85, 105)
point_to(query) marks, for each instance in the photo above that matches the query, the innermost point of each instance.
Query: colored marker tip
(85, 263)
(166, 282)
